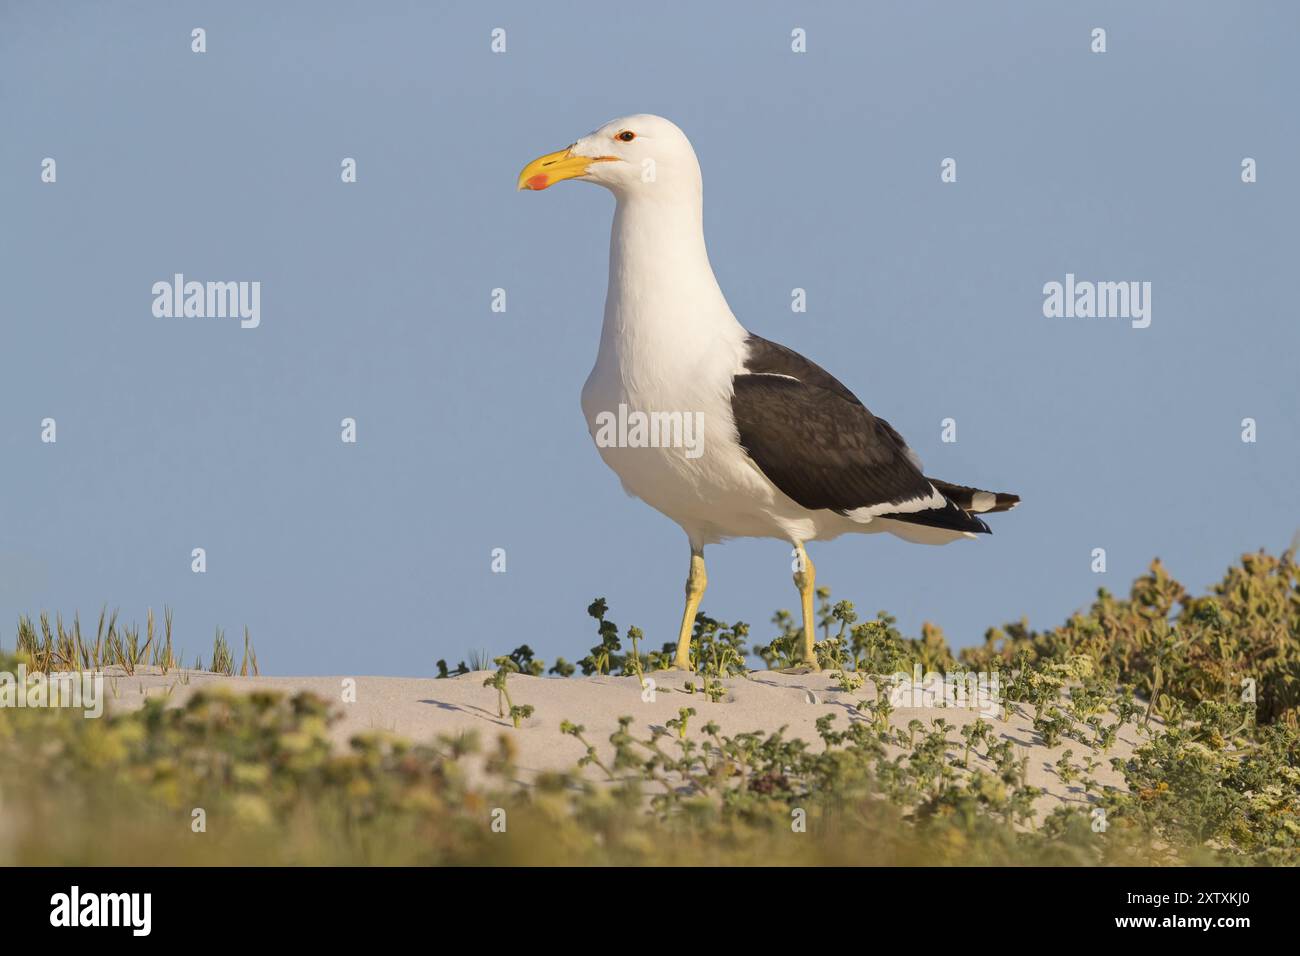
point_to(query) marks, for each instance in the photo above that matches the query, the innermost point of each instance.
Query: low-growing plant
(526, 663)
(444, 672)
(604, 658)
(506, 666)
(633, 662)
(718, 650)
(678, 723)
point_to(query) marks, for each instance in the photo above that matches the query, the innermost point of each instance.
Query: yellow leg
(805, 579)
(695, 585)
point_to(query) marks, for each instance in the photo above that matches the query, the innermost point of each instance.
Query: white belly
(709, 486)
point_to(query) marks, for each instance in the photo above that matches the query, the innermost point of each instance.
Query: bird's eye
(626, 136)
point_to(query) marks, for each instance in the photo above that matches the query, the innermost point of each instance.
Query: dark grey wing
(816, 442)
(766, 357)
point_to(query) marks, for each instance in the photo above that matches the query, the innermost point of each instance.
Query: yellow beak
(553, 167)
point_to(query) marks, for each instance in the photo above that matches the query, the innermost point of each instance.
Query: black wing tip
(950, 517)
(975, 500)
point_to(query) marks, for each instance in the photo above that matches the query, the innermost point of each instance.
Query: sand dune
(421, 708)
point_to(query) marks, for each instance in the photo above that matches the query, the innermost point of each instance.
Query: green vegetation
(1213, 683)
(57, 648)
(505, 667)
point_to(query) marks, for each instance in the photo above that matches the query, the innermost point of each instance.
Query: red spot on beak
(537, 182)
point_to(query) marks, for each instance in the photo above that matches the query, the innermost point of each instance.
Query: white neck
(663, 296)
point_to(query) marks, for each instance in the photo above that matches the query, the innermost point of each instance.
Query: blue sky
(821, 172)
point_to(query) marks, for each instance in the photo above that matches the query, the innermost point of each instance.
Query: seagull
(784, 449)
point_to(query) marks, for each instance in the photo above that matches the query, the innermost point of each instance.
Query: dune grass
(52, 648)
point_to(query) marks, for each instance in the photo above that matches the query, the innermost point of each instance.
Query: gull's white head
(630, 156)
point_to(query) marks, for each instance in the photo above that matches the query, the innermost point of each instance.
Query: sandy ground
(421, 708)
